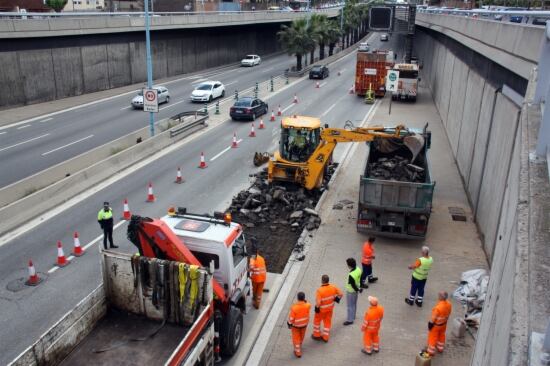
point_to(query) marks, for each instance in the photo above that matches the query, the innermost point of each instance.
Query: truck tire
(233, 332)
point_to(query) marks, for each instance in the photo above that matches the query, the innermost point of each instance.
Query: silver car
(163, 96)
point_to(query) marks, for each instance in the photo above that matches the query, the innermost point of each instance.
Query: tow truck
(179, 301)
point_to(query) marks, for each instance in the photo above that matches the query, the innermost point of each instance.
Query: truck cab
(218, 243)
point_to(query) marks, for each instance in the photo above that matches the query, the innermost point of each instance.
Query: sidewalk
(454, 245)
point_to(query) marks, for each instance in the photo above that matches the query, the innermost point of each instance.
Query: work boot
(364, 285)
(373, 279)
(348, 322)
(418, 303)
(114, 246)
(316, 338)
(365, 352)
(409, 301)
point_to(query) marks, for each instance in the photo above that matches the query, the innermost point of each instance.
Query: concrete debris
(296, 215)
(310, 211)
(396, 168)
(343, 203)
(471, 293)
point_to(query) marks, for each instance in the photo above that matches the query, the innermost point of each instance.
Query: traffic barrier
(150, 194)
(126, 214)
(295, 99)
(236, 95)
(217, 107)
(235, 144)
(33, 277)
(179, 178)
(77, 250)
(317, 85)
(272, 119)
(202, 164)
(61, 260)
(279, 113)
(261, 126)
(252, 132)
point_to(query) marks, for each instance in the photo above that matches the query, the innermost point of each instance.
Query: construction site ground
(455, 247)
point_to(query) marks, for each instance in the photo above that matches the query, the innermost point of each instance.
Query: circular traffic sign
(392, 77)
(150, 95)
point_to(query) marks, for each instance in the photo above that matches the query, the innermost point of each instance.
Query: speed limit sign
(150, 100)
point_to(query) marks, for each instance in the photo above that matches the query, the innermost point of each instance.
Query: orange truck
(371, 70)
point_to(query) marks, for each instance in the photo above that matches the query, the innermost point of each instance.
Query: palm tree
(333, 35)
(296, 40)
(321, 24)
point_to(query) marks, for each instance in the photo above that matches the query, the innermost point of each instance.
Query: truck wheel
(233, 332)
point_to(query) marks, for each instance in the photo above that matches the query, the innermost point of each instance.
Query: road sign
(391, 80)
(370, 71)
(150, 100)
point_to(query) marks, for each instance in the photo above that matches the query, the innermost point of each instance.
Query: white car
(251, 60)
(364, 47)
(208, 91)
(163, 96)
(384, 37)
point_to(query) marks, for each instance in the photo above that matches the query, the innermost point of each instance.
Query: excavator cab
(300, 136)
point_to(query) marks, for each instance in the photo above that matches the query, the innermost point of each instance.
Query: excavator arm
(154, 239)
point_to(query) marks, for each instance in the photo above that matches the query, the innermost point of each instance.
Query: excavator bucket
(415, 143)
(260, 158)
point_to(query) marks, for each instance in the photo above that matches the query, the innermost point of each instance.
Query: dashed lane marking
(69, 144)
(224, 151)
(23, 142)
(287, 108)
(328, 110)
(46, 120)
(22, 127)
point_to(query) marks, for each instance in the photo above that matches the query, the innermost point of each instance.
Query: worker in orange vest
(371, 326)
(438, 323)
(298, 319)
(257, 276)
(366, 261)
(325, 298)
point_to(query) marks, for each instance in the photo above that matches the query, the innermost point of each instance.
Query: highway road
(27, 147)
(28, 312)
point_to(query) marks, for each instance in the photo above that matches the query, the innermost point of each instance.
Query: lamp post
(149, 64)
(342, 26)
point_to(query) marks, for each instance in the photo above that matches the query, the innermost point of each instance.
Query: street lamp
(149, 64)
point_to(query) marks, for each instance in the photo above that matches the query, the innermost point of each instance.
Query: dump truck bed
(122, 338)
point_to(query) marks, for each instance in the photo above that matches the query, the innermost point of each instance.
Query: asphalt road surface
(27, 148)
(27, 312)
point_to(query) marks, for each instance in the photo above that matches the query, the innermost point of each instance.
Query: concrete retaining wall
(486, 131)
(43, 69)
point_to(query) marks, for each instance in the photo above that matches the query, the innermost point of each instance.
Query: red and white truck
(371, 70)
(179, 302)
(407, 86)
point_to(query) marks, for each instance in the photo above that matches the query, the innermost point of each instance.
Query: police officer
(105, 219)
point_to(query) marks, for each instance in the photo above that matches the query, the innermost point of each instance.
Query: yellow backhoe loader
(305, 148)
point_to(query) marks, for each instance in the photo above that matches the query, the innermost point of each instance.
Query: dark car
(539, 21)
(516, 19)
(248, 108)
(318, 72)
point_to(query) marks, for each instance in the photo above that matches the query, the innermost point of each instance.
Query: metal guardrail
(200, 118)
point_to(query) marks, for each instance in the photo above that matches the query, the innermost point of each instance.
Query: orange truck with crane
(180, 301)
(371, 70)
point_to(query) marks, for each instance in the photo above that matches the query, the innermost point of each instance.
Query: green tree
(296, 40)
(56, 5)
(333, 35)
(321, 24)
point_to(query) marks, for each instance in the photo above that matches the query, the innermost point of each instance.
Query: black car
(318, 72)
(248, 108)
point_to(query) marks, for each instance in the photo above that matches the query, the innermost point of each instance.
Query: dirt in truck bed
(114, 341)
(276, 215)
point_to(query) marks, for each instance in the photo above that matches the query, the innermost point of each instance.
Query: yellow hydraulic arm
(311, 173)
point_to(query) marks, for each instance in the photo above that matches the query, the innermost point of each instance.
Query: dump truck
(407, 85)
(179, 301)
(371, 70)
(305, 148)
(396, 189)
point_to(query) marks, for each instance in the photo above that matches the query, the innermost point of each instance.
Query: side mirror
(419, 79)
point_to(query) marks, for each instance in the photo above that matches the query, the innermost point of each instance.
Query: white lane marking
(270, 68)
(198, 81)
(126, 108)
(53, 269)
(287, 108)
(195, 77)
(22, 127)
(69, 144)
(23, 142)
(1, 133)
(323, 84)
(231, 83)
(328, 110)
(224, 151)
(46, 120)
(173, 104)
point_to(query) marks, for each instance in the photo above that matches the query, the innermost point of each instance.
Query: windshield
(140, 93)
(408, 74)
(249, 57)
(297, 144)
(204, 87)
(243, 103)
(316, 68)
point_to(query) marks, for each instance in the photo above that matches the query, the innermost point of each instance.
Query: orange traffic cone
(295, 99)
(61, 260)
(77, 250)
(179, 179)
(234, 144)
(261, 126)
(33, 277)
(252, 132)
(317, 85)
(272, 119)
(279, 113)
(150, 194)
(126, 215)
(202, 164)
(352, 90)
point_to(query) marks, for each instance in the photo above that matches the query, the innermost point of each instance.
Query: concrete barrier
(457, 103)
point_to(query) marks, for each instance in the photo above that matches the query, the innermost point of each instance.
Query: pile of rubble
(396, 168)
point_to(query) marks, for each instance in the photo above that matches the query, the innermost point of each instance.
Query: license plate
(238, 111)
(391, 223)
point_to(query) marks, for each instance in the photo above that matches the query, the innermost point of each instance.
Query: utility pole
(342, 26)
(149, 63)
